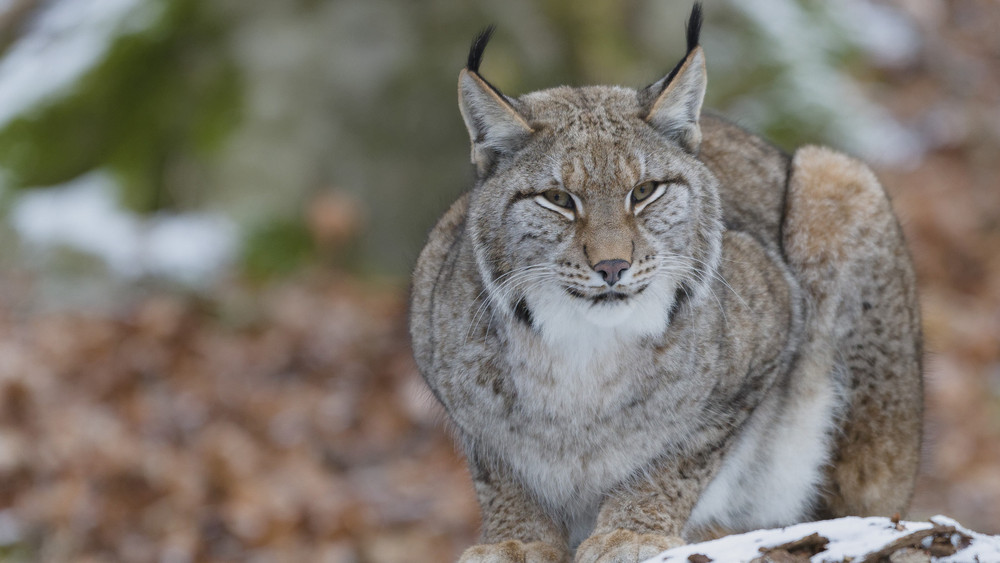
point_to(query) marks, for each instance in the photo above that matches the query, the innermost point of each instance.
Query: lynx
(649, 326)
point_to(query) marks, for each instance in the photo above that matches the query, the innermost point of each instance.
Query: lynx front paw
(513, 552)
(624, 546)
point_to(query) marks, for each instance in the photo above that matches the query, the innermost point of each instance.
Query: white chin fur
(565, 320)
(610, 314)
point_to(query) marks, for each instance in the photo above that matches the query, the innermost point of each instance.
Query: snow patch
(811, 82)
(65, 40)
(10, 528)
(849, 537)
(882, 31)
(188, 247)
(84, 215)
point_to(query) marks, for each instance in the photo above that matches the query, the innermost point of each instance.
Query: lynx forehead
(644, 325)
(601, 111)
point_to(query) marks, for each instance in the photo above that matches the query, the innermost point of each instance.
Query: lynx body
(649, 326)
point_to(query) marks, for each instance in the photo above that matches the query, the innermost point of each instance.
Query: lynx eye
(560, 198)
(643, 191)
(562, 202)
(644, 194)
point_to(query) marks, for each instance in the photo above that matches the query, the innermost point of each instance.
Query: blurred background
(209, 211)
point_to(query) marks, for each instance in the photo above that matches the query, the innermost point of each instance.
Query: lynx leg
(516, 529)
(844, 243)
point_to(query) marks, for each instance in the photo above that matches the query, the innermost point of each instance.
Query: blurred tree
(153, 111)
(13, 19)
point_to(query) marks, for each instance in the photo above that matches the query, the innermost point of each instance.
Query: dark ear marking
(477, 48)
(476, 51)
(694, 27)
(673, 104)
(693, 36)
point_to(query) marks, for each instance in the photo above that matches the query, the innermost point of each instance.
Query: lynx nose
(611, 270)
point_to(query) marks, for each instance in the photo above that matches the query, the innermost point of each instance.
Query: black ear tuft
(694, 26)
(693, 33)
(478, 46)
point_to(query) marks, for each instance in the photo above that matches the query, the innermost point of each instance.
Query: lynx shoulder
(648, 325)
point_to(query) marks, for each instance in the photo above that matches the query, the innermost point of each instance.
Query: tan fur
(839, 226)
(622, 544)
(515, 551)
(831, 197)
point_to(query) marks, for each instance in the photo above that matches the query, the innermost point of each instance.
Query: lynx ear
(495, 126)
(674, 101)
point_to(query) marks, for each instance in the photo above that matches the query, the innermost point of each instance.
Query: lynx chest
(588, 415)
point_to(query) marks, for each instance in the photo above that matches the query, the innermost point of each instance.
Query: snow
(882, 31)
(811, 82)
(849, 537)
(84, 215)
(66, 39)
(189, 247)
(10, 528)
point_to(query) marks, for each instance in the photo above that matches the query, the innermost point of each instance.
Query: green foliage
(17, 553)
(277, 248)
(791, 77)
(159, 103)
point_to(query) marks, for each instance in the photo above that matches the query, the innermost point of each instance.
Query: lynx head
(592, 210)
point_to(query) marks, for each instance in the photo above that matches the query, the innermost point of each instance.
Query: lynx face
(597, 219)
